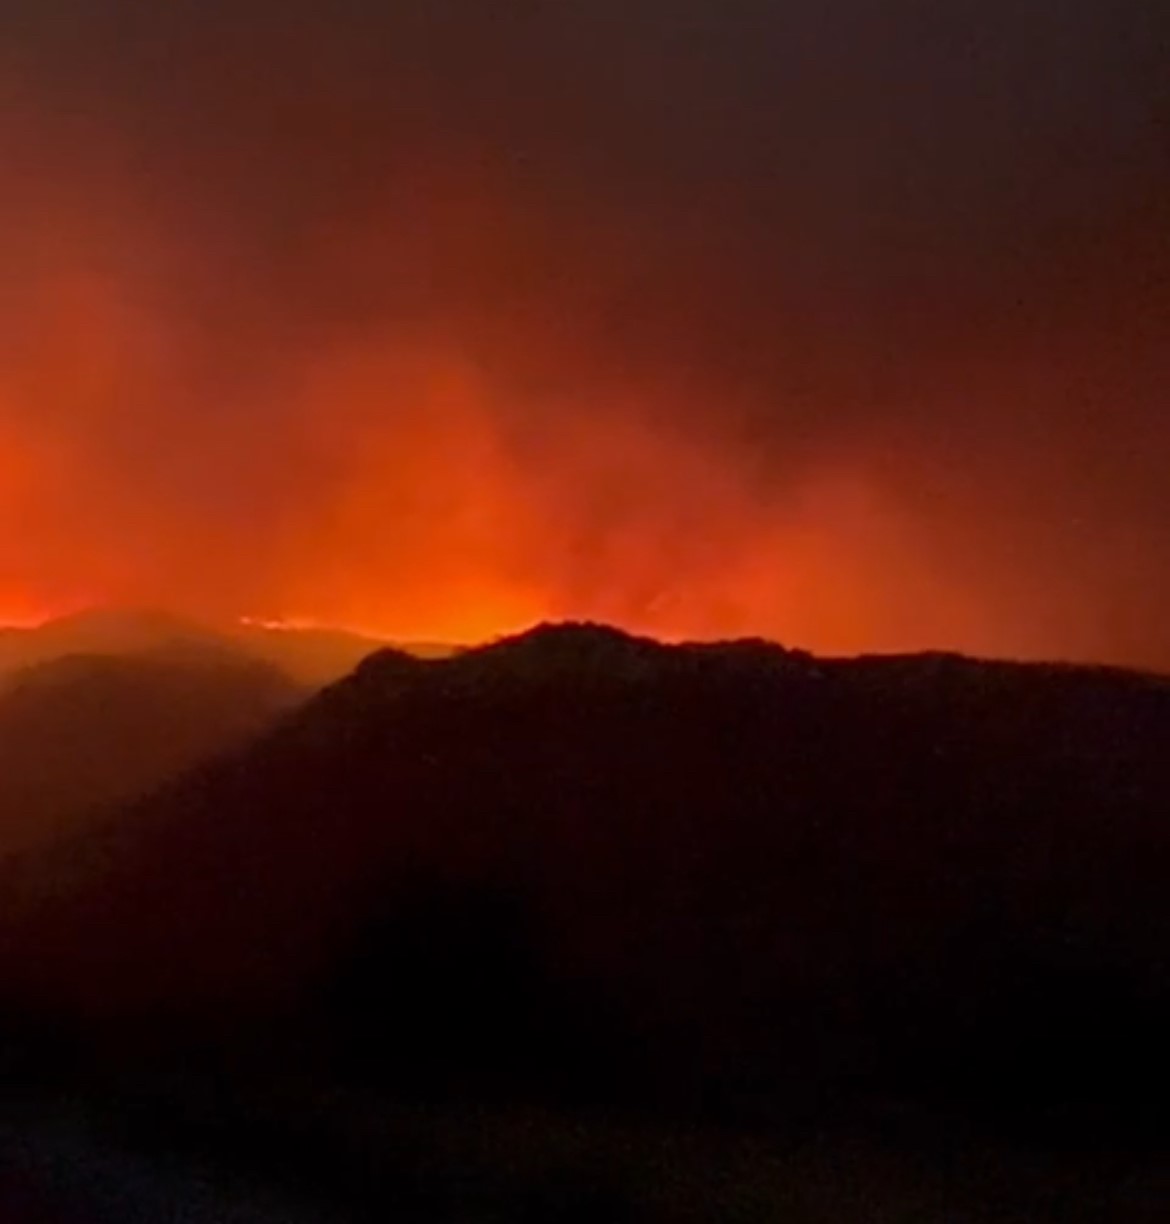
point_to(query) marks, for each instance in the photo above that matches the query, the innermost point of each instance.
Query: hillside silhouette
(316, 657)
(85, 731)
(312, 657)
(105, 631)
(576, 861)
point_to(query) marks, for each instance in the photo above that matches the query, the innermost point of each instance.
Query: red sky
(844, 327)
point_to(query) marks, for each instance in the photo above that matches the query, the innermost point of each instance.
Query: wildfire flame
(419, 414)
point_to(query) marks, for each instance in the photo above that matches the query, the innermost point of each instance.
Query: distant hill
(318, 656)
(101, 631)
(740, 864)
(311, 657)
(82, 731)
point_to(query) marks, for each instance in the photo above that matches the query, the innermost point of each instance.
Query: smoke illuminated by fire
(422, 517)
(321, 341)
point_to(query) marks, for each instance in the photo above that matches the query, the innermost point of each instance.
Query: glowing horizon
(705, 370)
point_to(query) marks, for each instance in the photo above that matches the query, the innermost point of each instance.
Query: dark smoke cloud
(841, 321)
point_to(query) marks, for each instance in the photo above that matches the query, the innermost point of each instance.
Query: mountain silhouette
(316, 657)
(731, 866)
(83, 731)
(311, 656)
(99, 631)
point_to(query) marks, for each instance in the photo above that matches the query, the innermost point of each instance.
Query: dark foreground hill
(580, 861)
(89, 730)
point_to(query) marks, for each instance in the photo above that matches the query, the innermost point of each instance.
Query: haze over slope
(82, 732)
(310, 655)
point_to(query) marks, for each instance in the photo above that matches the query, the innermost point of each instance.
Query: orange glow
(478, 450)
(414, 512)
(442, 527)
(425, 520)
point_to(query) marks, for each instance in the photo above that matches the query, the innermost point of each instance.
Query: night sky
(845, 323)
